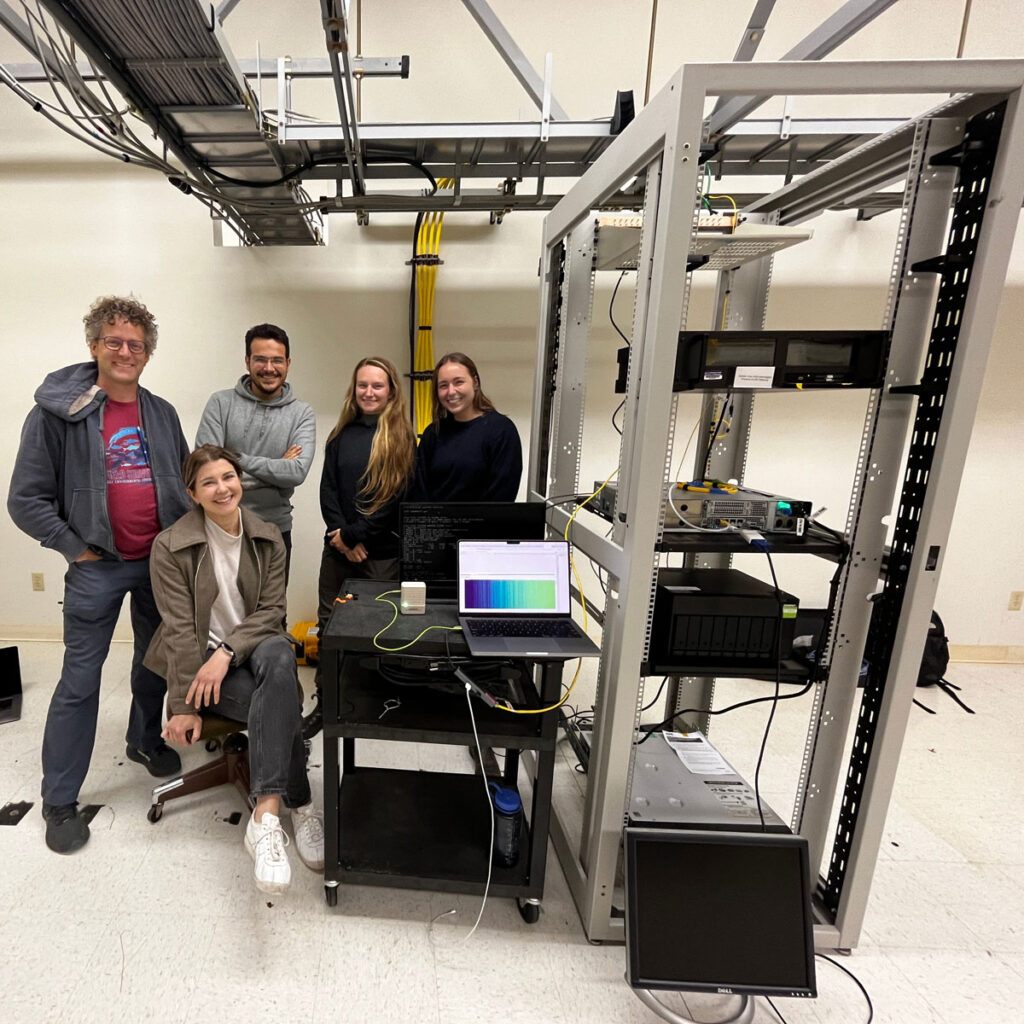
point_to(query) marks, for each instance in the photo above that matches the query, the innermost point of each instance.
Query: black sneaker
(160, 762)
(312, 723)
(65, 829)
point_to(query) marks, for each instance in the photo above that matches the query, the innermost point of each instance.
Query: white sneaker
(266, 841)
(308, 826)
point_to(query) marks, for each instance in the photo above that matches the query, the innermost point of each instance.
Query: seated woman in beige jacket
(219, 581)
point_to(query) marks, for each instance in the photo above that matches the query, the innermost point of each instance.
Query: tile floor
(161, 922)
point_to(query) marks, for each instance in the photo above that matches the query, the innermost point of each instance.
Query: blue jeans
(264, 692)
(93, 595)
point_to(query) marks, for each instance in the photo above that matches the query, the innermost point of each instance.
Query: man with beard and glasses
(273, 433)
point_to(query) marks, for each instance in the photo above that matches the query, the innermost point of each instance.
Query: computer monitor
(431, 532)
(719, 912)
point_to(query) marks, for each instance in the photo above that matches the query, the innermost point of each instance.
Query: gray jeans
(93, 595)
(264, 692)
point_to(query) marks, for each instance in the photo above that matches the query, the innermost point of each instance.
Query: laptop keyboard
(523, 627)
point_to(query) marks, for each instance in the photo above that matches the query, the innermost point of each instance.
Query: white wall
(76, 225)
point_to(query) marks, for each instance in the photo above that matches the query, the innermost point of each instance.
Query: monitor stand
(743, 1015)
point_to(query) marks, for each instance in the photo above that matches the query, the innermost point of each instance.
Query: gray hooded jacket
(58, 492)
(261, 432)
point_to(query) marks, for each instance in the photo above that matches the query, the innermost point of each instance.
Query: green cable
(384, 597)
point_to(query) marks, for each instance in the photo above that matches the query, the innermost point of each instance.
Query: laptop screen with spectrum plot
(503, 578)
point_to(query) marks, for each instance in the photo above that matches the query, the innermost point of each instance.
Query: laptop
(514, 600)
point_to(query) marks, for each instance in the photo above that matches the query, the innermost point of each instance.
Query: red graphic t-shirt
(131, 497)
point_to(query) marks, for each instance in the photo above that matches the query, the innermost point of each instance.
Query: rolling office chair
(231, 767)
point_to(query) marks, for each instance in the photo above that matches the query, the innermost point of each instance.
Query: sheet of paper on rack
(696, 754)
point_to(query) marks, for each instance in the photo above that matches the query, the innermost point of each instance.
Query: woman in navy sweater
(470, 452)
(368, 464)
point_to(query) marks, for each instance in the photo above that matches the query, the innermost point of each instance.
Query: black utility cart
(426, 829)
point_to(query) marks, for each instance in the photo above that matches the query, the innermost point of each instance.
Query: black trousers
(335, 568)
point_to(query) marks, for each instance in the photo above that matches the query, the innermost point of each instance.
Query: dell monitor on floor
(719, 912)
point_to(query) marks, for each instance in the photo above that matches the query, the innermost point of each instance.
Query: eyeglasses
(276, 361)
(114, 345)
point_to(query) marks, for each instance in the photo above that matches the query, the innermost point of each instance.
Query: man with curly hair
(97, 477)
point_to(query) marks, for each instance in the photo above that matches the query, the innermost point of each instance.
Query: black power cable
(778, 683)
(714, 433)
(650, 730)
(857, 981)
(611, 307)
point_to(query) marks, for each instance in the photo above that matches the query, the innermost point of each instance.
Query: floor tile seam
(1017, 969)
(976, 947)
(940, 1009)
(985, 943)
(75, 987)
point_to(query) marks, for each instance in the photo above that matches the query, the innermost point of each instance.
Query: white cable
(490, 851)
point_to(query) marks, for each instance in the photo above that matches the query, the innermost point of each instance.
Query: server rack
(664, 145)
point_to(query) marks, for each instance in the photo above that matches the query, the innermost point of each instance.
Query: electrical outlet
(37, 581)
(1016, 600)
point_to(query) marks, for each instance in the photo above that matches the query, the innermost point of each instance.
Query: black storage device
(718, 619)
(755, 360)
(10, 685)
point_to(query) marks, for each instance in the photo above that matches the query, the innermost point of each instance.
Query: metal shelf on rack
(790, 671)
(815, 541)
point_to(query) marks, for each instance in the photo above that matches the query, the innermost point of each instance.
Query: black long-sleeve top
(480, 460)
(345, 461)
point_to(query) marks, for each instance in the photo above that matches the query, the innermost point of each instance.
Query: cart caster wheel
(155, 812)
(529, 911)
(331, 895)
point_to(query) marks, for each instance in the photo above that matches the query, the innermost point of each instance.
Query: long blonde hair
(393, 448)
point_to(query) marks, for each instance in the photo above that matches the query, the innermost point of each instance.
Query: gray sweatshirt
(261, 432)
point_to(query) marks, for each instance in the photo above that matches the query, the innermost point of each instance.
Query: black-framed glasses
(114, 345)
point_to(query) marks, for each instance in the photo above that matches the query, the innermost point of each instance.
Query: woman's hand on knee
(183, 729)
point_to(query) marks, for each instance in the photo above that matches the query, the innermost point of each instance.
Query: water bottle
(508, 815)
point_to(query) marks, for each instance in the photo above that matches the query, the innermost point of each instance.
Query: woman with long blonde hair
(368, 463)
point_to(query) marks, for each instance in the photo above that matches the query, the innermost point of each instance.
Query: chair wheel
(236, 743)
(155, 812)
(528, 911)
(212, 745)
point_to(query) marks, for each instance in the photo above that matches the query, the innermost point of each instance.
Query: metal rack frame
(664, 145)
(204, 106)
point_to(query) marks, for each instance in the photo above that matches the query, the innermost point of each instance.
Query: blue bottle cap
(506, 800)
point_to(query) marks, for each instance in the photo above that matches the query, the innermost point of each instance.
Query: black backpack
(934, 662)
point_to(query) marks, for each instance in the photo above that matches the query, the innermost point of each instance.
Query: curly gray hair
(108, 308)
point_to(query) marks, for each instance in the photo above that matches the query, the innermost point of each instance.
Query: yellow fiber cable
(504, 705)
(428, 243)
(735, 208)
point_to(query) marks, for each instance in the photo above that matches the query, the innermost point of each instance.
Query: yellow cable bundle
(428, 243)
